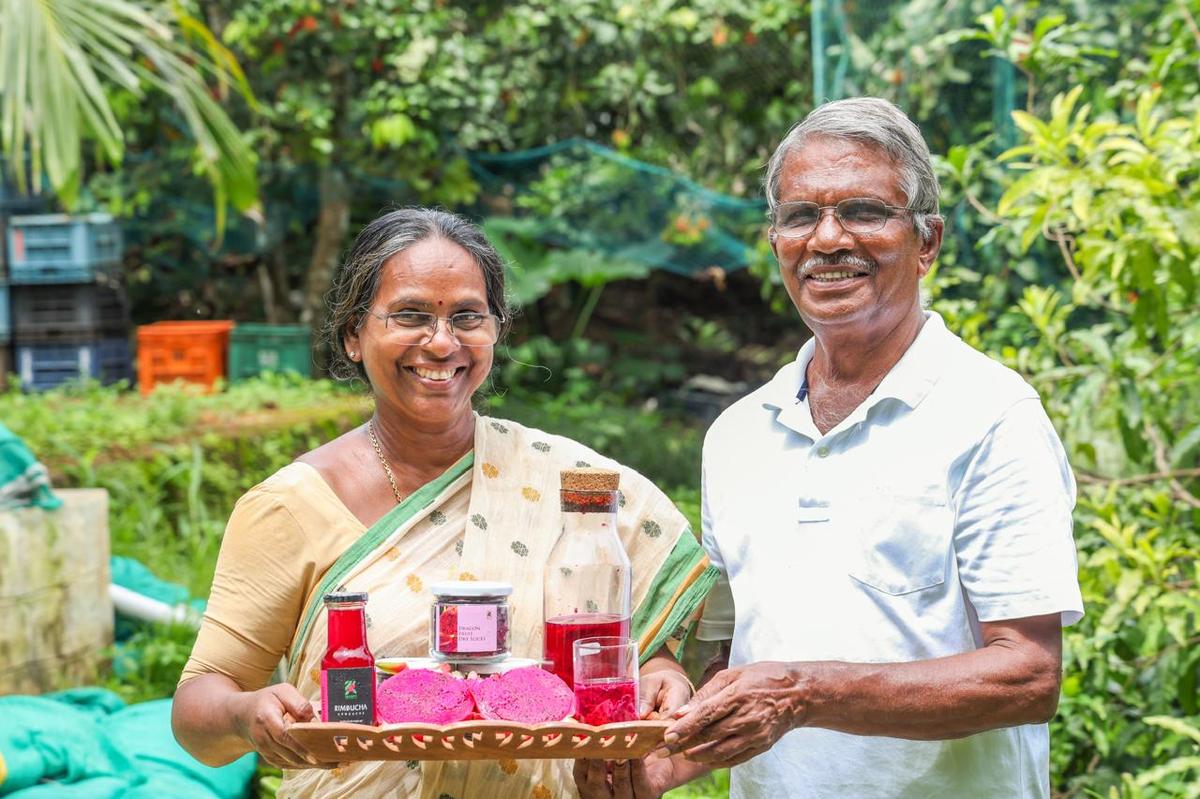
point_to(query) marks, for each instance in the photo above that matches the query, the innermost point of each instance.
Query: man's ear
(773, 238)
(931, 246)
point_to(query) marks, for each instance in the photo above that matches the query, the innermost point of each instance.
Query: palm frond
(61, 59)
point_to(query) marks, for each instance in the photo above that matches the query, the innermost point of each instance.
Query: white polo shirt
(942, 501)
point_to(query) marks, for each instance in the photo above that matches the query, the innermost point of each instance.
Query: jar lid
(589, 479)
(337, 597)
(471, 588)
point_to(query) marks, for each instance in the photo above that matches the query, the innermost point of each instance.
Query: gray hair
(358, 280)
(878, 123)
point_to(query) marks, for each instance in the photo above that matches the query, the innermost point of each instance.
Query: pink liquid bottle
(587, 583)
(348, 668)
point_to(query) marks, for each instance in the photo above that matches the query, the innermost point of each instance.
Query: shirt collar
(909, 381)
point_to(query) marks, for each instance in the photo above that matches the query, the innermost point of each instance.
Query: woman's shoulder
(559, 448)
(297, 487)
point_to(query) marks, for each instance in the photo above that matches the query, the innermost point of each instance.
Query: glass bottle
(348, 668)
(587, 587)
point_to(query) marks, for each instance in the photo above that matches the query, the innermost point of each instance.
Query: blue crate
(5, 319)
(76, 313)
(45, 366)
(57, 248)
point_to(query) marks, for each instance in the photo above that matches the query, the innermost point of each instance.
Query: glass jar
(469, 621)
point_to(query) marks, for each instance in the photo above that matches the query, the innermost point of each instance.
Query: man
(892, 511)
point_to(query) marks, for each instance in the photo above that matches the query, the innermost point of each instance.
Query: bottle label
(348, 695)
(467, 628)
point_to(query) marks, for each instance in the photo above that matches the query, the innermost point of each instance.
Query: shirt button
(822, 451)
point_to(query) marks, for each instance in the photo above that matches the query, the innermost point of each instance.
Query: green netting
(578, 196)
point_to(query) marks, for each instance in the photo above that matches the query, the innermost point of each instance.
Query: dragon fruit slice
(425, 696)
(528, 695)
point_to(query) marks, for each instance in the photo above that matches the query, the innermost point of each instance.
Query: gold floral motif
(414, 583)
(541, 792)
(490, 470)
(508, 766)
(467, 576)
(393, 553)
(530, 493)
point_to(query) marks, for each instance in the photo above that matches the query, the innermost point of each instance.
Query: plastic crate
(80, 312)
(56, 248)
(258, 348)
(194, 352)
(44, 366)
(5, 323)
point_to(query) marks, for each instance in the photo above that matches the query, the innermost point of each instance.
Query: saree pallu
(494, 515)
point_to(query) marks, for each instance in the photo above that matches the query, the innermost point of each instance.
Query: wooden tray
(479, 740)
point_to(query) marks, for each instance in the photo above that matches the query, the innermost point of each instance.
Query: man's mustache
(853, 262)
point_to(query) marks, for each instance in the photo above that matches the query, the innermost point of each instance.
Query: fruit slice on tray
(424, 695)
(529, 695)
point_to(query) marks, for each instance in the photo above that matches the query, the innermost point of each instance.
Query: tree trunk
(333, 222)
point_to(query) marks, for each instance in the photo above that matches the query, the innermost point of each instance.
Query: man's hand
(624, 779)
(738, 714)
(661, 693)
(262, 718)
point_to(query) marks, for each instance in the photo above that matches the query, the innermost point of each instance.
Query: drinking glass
(606, 679)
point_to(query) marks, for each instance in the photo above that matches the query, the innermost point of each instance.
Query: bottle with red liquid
(587, 589)
(348, 668)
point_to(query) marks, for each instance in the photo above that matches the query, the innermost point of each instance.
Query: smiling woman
(425, 491)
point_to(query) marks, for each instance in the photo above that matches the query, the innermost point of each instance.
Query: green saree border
(412, 505)
(683, 559)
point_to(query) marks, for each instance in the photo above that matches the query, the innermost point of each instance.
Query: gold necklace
(387, 469)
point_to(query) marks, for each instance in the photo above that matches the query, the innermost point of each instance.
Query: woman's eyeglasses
(470, 329)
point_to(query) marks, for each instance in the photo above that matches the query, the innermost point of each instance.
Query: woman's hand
(624, 779)
(262, 718)
(662, 692)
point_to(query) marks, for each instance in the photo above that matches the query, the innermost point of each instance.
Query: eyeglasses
(856, 215)
(416, 328)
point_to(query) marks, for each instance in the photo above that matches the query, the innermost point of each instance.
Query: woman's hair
(357, 282)
(878, 123)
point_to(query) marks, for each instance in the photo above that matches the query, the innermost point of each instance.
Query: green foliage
(79, 54)
(1098, 309)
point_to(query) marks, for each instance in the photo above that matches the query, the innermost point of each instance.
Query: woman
(425, 491)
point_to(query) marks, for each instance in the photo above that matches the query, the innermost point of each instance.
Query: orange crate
(195, 352)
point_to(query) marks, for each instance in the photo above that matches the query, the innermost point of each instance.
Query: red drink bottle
(348, 668)
(587, 584)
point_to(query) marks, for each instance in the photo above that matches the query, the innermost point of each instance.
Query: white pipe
(137, 606)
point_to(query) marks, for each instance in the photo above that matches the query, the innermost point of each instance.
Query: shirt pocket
(902, 542)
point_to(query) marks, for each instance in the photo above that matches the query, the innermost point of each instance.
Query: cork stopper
(588, 479)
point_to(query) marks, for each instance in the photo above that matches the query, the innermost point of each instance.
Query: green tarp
(87, 744)
(23, 481)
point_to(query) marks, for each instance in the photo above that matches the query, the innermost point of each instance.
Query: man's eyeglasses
(856, 215)
(416, 328)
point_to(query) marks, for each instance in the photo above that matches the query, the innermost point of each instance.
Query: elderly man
(892, 511)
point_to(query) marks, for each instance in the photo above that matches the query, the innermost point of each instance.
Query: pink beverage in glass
(563, 631)
(606, 679)
(607, 701)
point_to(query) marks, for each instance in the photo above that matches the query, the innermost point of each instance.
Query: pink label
(324, 695)
(476, 628)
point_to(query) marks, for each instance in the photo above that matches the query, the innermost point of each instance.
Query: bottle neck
(347, 628)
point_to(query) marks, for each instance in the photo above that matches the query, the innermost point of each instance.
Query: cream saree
(494, 515)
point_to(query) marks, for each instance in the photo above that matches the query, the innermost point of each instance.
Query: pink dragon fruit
(528, 695)
(425, 696)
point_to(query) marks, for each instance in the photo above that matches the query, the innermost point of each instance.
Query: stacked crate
(70, 317)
